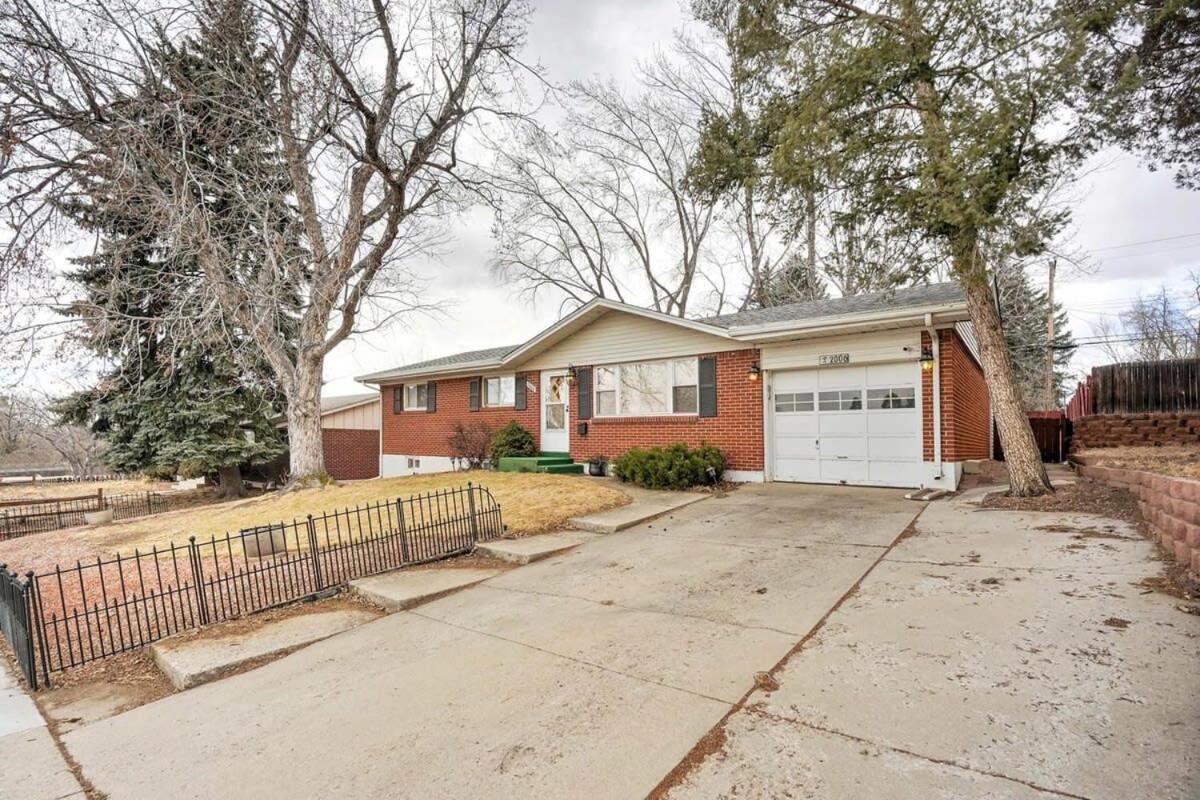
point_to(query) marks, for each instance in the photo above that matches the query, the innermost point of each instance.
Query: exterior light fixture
(754, 371)
(572, 373)
(926, 360)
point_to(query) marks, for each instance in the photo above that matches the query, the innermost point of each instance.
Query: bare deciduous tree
(1163, 326)
(368, 107)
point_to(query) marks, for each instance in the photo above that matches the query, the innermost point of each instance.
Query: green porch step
(545, 462)
(562, 469)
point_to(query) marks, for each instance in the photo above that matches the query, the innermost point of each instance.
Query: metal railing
(94, 610)
(15, 626)
(23, 517)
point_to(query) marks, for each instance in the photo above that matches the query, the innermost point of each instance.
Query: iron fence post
(404, 554)
(37, 617)
(198, 579)
(315, 553)
(474, 516)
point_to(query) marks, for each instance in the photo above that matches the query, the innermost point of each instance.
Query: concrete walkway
(588, 674)
(31, 767)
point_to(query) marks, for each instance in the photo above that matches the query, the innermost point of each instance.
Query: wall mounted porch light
(754, 371)
(926, 360)
(572, 373)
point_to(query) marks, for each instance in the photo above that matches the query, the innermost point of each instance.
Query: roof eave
(389, 376)
(846, 323)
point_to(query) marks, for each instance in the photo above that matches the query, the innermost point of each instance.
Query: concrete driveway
(591, 674)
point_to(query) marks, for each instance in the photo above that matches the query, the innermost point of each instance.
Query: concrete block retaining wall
(1170, 506)
(1134, 430)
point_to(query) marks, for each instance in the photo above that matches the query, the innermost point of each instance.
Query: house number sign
(834, 358)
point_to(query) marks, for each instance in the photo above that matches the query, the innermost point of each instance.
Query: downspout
(935, 348)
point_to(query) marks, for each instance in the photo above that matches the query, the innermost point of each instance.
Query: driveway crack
(761, 712)
(574, 659)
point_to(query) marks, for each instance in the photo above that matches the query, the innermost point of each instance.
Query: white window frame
(487, 402)
(669, 389)
(410, 392)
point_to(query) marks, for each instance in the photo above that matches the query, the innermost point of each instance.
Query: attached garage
(853, 424)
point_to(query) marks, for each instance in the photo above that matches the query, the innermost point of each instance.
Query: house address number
(834, 358)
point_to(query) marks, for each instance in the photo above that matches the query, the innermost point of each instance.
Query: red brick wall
(351, 454)
(424, 434)
(966, 419)
(737, 430)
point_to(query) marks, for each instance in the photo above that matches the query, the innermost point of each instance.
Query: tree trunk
(1026, 473)
(306, 452)
(810, 236)
(230, 478)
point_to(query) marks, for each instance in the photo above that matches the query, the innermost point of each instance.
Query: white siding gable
(620, 337)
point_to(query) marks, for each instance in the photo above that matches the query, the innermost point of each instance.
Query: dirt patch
(1085, 496)
(469, 561)
(1177, 461)
(989, 474)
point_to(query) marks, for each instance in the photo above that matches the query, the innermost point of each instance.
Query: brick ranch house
(879, 389)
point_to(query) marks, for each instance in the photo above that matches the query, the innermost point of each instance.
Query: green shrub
(511, 440)
(675, 466)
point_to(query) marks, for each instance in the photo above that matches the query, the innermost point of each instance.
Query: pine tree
(1024, 311)
(175, 401)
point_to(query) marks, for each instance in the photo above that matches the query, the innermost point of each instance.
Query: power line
(1146, 241)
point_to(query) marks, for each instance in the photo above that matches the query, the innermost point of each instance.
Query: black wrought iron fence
(110, 606)
(15, 612)
(42, 516)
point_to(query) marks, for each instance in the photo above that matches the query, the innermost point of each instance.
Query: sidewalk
(30, 763)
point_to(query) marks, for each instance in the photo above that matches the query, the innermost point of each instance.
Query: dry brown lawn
(530, 503)
(1181, 462)
(56, 489)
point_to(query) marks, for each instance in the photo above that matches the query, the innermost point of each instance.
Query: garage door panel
(795, 425)
(897, 448)
(890, 374)
(797, 469)
(796, 447)
(893, 423)
(843, 447)
(844, 424)
(843, 471)
(857, 443)
(841, 377)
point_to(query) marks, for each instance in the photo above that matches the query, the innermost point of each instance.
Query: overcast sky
(1122, 210)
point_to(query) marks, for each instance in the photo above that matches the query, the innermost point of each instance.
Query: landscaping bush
(469, 444)
(675, 466)
(512, 440)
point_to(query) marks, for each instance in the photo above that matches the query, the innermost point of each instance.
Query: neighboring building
(881, 389)
(350, 434)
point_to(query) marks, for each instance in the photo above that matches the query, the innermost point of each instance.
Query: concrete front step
(533, 548)
(402, 589)
(189, 663)
(647, 505)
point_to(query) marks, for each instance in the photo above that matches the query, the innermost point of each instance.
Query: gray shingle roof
(329, 404)
(912, 297)
(468, 357)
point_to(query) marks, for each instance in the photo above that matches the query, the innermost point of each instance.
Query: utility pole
(1050, 398)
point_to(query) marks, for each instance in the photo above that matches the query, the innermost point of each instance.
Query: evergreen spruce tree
(1024, 314)
(175, 400)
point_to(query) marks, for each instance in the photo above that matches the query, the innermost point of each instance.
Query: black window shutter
(473, 394)
(708, 386)
(583, 383)
(397, 399)
(430, 397)
(520, 401)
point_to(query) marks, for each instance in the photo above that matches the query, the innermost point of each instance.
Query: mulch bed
(1085, 496)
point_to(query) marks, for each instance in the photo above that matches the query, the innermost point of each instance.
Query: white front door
(556, 415)
(855, 425)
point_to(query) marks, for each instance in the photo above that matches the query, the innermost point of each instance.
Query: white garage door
(859, 425)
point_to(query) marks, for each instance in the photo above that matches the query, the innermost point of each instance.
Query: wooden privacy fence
(75, 614)
(1139, 387)
(1051, 429)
